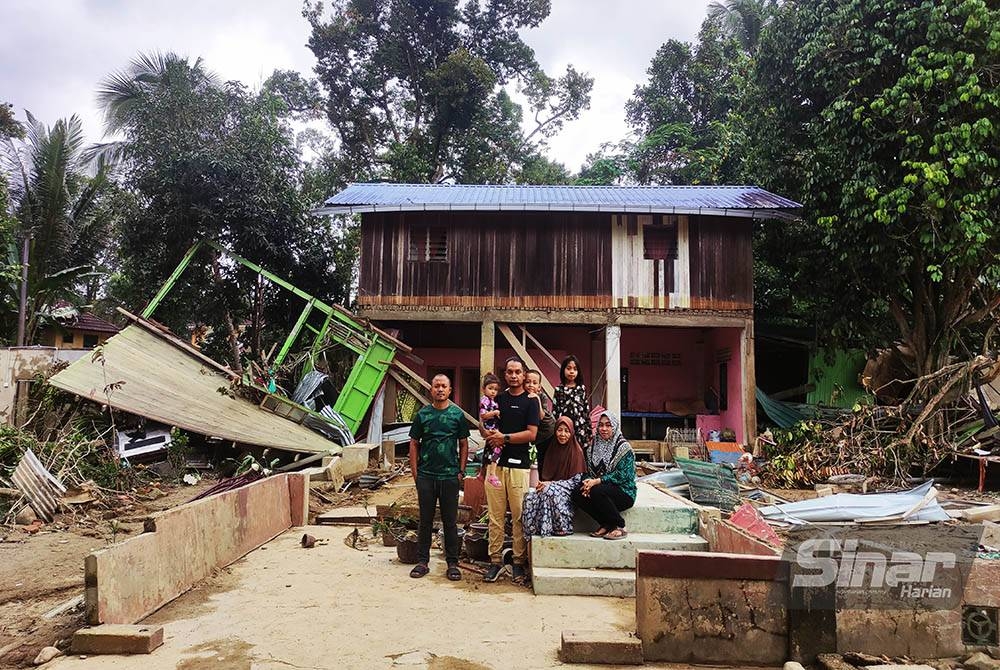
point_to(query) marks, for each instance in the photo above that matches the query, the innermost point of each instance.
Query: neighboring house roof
(740, 201)
(86, 321)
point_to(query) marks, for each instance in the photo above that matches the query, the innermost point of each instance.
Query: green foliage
(681, 117)
(882, 117)
(414, 90)
(210, 159)
(61, 208)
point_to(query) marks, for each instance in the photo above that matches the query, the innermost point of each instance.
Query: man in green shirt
(439, 448)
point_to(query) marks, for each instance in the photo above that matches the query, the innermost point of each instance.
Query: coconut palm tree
(58, 225)
(743, 20)
(124, 96)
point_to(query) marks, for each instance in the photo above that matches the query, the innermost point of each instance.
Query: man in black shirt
(517, 426)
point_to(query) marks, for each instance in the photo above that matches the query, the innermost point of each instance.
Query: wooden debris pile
(888, 444)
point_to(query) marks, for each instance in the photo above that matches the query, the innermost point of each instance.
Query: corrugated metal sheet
(836, 382)
(744, 201)
(38, 485)
(160, 381)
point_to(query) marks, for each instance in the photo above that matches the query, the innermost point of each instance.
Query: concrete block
(715, 621)
(298, 499)
(582, 551)
(581, 582)
(335, 472)
(653, 512)
(792, 665)
(913, 633)
(117, 639)
(126, 582)
(600, 647)
(355, 458)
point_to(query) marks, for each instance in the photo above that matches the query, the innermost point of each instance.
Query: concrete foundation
(184, 545)
(711, 608)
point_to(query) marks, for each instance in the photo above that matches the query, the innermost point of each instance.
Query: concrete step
(582, 551)
(580, 582)
(653, 512)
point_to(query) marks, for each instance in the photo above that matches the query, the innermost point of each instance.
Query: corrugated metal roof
(744, 201)
(156, 379)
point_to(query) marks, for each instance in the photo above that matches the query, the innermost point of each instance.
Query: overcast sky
(53, 52)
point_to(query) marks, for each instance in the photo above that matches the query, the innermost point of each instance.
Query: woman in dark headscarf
(547, 509)
(609, 488)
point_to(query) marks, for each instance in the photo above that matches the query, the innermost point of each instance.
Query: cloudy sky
(54, 52)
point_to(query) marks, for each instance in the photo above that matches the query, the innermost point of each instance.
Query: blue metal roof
(741, 201)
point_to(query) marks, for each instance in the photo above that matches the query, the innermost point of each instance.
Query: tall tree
(415, 89)
(58, 209)
(680, 118)
(888, 131)
(206, 159)
(743, 20)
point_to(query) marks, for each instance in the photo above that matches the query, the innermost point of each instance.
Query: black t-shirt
(517, 412)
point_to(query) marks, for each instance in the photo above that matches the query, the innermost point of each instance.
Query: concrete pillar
(487, 349)
(613, 365)
(749, 383)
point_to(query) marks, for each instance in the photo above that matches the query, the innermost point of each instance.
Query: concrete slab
(600, 646)
(182, 546)
(332, 606)
(111, 638)
(582, 551)
(653, 512)
(347, 515)
(577, 582)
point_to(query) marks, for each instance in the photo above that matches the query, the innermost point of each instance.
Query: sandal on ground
(616, 534)
(453, 573)
(600, 532)
(419, 570)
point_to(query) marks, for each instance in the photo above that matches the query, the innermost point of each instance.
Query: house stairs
(582, 565)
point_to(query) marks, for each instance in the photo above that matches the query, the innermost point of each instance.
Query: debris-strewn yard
(41, 583)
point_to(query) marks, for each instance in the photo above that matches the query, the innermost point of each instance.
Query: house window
(428, 243)
(89, 341)
(659, 242)
(67, 338)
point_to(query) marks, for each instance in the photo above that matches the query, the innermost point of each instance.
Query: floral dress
(573, 402)
(551, 511)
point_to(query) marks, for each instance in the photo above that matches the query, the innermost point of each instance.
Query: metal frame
(375, 352)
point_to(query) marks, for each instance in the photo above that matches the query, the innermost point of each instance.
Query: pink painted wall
(650, 385)
(717, 340)
(559, 341)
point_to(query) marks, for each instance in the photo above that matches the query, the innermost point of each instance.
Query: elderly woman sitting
(609, 487)
(548, 509)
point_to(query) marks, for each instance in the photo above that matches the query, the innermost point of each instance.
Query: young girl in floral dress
(571, 400)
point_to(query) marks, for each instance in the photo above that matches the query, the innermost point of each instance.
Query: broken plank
(538, 344)
(525, 356)
(347, 515)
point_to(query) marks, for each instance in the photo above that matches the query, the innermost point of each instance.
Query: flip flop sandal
(453, 573)
(419, 570)
(600, 532)
(616, 534)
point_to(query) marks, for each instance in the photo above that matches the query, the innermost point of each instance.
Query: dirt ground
(332, 606)
(44, 569)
